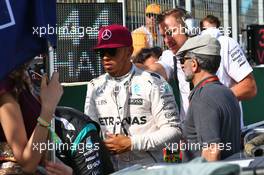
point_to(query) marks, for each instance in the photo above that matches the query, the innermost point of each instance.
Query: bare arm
(246, 88)
(25, 151)
(155, 67)
(212, 153)
(158, 68)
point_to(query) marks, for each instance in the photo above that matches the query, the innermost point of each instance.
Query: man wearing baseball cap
(135, 109)
(146, 36)
(212, 123)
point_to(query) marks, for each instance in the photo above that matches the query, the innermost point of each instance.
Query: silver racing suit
(139, 104)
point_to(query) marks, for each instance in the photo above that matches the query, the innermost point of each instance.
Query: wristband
(43, 122)
(39, 124)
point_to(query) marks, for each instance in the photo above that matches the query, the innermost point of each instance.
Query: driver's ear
(131, 50)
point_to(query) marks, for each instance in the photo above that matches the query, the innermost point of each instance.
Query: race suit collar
(121, 78)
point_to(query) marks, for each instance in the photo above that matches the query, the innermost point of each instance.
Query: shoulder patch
(97, 81)
(92, 82)
(155, 75)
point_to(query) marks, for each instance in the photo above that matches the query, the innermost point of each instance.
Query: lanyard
(208, 80)
(202, 84)
(127, 86)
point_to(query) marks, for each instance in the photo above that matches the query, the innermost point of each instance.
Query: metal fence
(135, 10)
(135, 14)
(202, 8)
(247, 14)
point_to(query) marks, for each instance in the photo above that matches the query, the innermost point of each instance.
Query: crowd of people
(133, 107)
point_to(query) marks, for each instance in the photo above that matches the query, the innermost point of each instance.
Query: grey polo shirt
(213, 117)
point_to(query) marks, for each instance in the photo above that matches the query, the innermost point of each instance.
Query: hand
(117, 143)
(211, 153)
(50, 94)
(58, 168)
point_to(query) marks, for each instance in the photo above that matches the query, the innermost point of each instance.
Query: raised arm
(158, 68)
(27, 152)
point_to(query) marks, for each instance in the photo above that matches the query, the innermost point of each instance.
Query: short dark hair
(145, 53)
(177, 13)
(212, 20)
(209, 63)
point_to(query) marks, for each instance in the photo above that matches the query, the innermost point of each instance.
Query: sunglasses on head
(183, 59)
(149, 15)
(111, 52)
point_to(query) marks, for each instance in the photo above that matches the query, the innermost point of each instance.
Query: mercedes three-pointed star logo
(106, 35)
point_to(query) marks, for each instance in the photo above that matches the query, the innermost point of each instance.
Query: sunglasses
(183, 59)
(111, 52)
(149, 15)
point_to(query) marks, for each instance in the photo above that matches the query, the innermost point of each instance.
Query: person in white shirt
(234, 72)
(171, 27)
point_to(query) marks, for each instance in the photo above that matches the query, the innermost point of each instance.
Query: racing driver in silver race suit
(136, 109)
